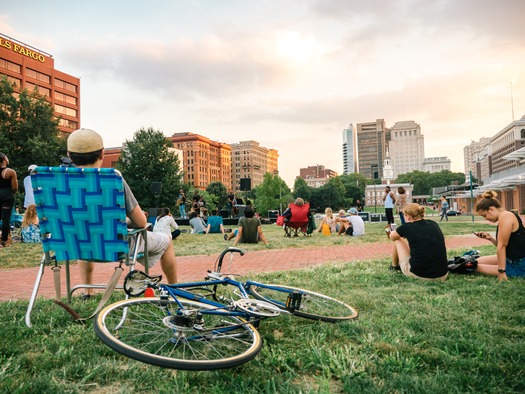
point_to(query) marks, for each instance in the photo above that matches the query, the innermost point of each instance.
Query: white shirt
(358, 224)
(28, 188)
(165, 225)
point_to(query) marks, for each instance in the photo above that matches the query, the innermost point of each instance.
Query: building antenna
(512, 102)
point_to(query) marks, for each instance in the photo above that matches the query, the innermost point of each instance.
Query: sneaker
(225, 237)
(84, 297)
(394, 268)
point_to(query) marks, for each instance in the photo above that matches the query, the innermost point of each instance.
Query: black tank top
(516, 245)
(4, 183)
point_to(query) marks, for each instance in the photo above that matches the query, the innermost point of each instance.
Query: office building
(349, 150)
(316, 176)
(371, 141)
(204, 161)
(471, 152)
(30, 68)
(251, 161)
(436, 164)
(407, 147)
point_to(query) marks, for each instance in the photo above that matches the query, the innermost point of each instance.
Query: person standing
(8, 189)
(401, 201)
(509, 259)
(232, 204)
(181, 202)
(29, 196)
(444, 208)
(389, 198)
(422, 253)
(359, 206)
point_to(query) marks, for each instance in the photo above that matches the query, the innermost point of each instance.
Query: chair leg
(35, 292)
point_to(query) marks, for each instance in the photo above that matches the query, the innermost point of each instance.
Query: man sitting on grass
(249, 230)
(215, 223)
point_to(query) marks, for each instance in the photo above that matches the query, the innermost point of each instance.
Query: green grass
(464, 335)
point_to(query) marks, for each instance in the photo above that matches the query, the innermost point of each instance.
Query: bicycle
(192, 326)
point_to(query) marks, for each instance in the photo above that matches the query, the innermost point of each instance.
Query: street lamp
(276, 172)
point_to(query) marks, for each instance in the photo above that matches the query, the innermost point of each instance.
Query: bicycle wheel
(153, 332)
(307, 304)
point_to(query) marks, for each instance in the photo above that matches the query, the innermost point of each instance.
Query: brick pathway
(18, 284)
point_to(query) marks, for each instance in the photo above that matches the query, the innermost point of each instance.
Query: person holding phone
(509, 259)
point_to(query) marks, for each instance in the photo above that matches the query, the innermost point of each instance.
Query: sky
(289, 74)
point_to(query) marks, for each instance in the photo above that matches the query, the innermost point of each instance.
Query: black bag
(466, 264)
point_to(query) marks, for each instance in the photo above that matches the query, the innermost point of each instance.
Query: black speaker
(156, 187)
(246, 184)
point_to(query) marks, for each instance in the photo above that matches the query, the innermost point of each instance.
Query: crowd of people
(418, 252)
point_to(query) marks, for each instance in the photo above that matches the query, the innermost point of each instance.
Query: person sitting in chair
(287, 214)
(86, 149)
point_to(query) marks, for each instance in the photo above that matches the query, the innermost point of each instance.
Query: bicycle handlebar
(230, 249)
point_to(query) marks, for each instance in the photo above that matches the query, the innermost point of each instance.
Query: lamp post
(276, 172)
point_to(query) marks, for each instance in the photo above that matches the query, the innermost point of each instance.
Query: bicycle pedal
(293, 302)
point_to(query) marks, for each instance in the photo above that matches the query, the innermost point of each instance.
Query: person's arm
(238, 237)
(137, 218)
(208, 228)
(14, 181)
(261, 235)
(222, 228)
(506, 222)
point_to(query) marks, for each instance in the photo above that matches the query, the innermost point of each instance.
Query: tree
(331, 194)
(273, 193)
(28, 129)
(424, 182)
(218, 194)
(147, 159)
(355, 185)
(301, 189)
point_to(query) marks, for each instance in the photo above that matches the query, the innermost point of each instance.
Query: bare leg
(488, 265)
(86, 273)
(168, 264)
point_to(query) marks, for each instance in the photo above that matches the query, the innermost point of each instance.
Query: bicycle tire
(148, 335)
(314, 306)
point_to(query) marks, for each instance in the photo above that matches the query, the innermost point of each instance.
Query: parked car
(453, 213)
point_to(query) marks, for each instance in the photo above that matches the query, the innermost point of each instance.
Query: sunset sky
(290, 74)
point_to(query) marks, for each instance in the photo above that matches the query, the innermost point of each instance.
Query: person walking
(8, 189)
(444, 208)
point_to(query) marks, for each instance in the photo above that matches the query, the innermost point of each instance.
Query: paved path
(18, 283)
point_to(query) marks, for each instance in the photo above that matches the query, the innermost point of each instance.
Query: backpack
(466, 264)
(325, 229)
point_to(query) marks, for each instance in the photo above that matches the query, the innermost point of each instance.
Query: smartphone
(393, 226)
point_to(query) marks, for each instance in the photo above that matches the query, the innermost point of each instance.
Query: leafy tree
(424, 182)
(355, 185)
(301, 189)
(331, 194)
(273, 193)
(218, 194)
(28, 129)
(146, 159)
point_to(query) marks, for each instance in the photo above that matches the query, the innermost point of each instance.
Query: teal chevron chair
(82, 216)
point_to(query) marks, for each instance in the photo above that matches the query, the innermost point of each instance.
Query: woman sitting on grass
(425, 254)
(30, 225)
(329, 221)
(166, 224)
(509, 259)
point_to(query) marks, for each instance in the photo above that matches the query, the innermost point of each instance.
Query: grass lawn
(464, 335)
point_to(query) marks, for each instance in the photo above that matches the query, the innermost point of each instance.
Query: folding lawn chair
(82, 216)
(298, 223)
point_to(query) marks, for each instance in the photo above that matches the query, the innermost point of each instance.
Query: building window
(38, 76)
(66, 98)
(65, 110)
(40, 89)
(68, 124)
(65, 85)
(15, 81)
(10, 66)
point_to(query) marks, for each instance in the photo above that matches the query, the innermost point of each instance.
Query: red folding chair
(298, 222)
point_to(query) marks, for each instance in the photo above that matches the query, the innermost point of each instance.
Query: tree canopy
(147, 159)
(28, 129)
(424, 181)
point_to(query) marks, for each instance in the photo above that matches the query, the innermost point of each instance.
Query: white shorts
(157, 245)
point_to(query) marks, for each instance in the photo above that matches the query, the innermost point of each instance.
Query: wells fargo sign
(22, 50)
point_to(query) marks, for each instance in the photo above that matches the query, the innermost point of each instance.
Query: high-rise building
(204, 161)
(407, 147)
(371, 140)
(29, 68)
(251, 161)
(349, 150)
(471, 154)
